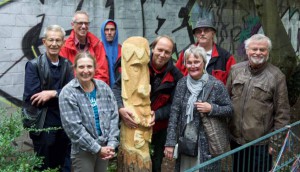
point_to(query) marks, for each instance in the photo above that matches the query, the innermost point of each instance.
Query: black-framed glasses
(81, 23)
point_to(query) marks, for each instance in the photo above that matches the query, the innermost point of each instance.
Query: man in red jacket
(219, 60)
(83, 40)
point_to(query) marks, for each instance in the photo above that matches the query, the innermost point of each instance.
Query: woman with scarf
(188, 108)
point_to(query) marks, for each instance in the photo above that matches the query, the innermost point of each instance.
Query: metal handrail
(199, 166)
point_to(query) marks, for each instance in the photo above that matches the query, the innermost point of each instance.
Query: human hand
(106, 152)
(42, 97)
(271, 150)
(128, 118)
(203, 107)
(169, 152)
(152, 122)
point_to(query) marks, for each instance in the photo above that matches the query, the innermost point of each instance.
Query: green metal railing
(285, 158)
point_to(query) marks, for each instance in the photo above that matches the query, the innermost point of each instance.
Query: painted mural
(23, 22)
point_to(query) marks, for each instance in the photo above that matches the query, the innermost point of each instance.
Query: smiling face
(80, 25)
(257, 52)
(195, 66)
(53, 42)
(84, 69)
(162, 53)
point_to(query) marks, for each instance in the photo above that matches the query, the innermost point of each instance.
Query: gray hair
(197, 51)
(55, 28)
(79, 12)
(258, 37)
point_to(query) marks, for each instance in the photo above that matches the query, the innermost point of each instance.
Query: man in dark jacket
(219, 60)
(259, 96)
(42, 95)
(163, 79)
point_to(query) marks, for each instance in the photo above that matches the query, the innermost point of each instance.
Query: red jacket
(218, 66)
(117, 64)
(69, 51)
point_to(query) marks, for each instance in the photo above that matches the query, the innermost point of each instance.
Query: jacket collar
(92, 39)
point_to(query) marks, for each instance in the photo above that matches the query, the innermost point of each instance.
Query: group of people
(76, 85)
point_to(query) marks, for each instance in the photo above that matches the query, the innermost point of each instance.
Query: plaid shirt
(78, 119)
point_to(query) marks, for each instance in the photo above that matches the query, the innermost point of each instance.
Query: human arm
(101, 71)
(281, 104)
(113, 123)
(220, 101)
(175, 114)
(125, 114)
(33, 94)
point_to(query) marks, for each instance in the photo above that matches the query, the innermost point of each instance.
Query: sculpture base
(131, 161)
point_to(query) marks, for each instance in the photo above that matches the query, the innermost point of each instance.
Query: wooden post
(134, 153)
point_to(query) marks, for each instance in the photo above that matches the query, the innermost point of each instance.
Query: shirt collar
(76, 41)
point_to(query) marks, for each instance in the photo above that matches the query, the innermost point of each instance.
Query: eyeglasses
(196, 64)
(57, 41)
(81, 23)
(205, 30)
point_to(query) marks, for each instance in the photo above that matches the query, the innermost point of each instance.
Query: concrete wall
(22, 23)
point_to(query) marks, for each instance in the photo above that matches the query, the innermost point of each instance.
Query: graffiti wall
(22, 23)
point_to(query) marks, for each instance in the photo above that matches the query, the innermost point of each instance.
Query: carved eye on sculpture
(135, 67)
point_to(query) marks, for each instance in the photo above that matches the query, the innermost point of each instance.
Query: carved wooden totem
(134, 153)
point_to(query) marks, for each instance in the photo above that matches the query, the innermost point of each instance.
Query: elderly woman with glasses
(198, 94)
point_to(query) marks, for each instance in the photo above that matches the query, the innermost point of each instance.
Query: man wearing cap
(219, 60)
(83, 40)
(111, 49)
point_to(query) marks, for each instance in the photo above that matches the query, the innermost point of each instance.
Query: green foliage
(112, 165)
(12, 159)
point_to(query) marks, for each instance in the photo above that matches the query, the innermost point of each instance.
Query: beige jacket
(260, 101)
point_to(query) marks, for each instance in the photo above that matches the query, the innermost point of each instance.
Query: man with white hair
(259, 96)
(45, 76)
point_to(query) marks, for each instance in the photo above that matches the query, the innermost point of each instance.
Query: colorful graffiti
(234, 22)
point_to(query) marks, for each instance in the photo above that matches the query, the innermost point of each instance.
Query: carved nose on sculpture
(144, 90)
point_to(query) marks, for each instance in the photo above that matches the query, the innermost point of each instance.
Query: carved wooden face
(135, 72)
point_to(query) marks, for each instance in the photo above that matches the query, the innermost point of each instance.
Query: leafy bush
(11, 158)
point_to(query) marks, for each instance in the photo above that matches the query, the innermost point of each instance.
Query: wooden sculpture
(134, 153)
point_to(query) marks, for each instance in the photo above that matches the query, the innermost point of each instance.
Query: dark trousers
(158, 145)
(53, 147)
(252, 159)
